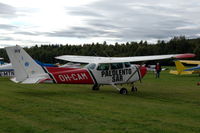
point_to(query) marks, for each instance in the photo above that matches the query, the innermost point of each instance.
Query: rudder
(179, 66)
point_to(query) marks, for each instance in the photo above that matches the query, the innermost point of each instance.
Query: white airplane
(1, 62)
(152, 68)
(99, 71)
(6, 70)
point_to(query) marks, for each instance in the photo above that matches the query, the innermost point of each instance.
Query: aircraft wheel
(95, 87)
(123, 91)
(134, 89)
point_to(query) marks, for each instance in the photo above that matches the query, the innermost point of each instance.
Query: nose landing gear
(134, 89)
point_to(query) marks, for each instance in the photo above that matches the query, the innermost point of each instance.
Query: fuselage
(98, 73)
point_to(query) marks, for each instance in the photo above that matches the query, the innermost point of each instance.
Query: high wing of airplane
(99, 71)
(95, 59)
(182, 70)
(193, 62)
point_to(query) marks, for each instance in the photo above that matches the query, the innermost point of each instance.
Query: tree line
(176, 45)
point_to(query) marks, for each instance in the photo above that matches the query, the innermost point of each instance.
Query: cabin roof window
(91, 66)
(127, 64)
(103, 67)
(116, 65)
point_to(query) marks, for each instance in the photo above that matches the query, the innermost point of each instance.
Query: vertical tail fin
(179, 66)
(24, 66)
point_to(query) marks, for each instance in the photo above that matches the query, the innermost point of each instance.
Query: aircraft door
(133, 74)
(102, 73)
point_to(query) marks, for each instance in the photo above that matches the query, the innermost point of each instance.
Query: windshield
(91, 66)
(103, 67)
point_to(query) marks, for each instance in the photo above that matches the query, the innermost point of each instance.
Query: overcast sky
(30, 22)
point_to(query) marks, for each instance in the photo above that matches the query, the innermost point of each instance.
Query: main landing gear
(124, 91)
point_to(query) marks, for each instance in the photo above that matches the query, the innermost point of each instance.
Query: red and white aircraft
(99, 71)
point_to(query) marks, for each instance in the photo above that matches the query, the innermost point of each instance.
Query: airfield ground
(170, 104)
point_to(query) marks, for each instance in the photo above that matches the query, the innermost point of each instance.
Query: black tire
(123, 91)
(134, 89)
(95, 87)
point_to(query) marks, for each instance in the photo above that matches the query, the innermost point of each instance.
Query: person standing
(158, 70)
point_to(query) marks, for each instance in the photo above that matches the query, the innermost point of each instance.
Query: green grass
(170, 104)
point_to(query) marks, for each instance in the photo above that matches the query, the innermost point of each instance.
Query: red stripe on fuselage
(70, 75)
(59, 69)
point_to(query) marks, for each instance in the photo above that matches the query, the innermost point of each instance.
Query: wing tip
(186, 55)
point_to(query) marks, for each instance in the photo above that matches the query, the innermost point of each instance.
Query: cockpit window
(91, 66)
(103, 67)
(116, 65)
(127, 64)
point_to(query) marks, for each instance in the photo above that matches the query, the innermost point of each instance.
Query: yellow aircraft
(182, 70)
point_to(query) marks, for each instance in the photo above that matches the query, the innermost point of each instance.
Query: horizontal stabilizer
(36, 79)
(14, 80)
(180, 73)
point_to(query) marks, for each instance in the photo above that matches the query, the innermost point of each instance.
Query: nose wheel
(134, 89)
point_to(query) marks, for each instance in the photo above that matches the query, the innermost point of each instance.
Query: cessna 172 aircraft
(99, 71)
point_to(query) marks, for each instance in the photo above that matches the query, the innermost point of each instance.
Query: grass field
(170, 104)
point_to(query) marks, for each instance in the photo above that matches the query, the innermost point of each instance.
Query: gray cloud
(7, 10)
(140, 19)
(8, 27)
(5, 45)
(6, 38)
(28, 33)
(123, 20)
(82, 32)
(85, 12)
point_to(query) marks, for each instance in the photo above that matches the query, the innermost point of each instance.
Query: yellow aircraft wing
(195, 62)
